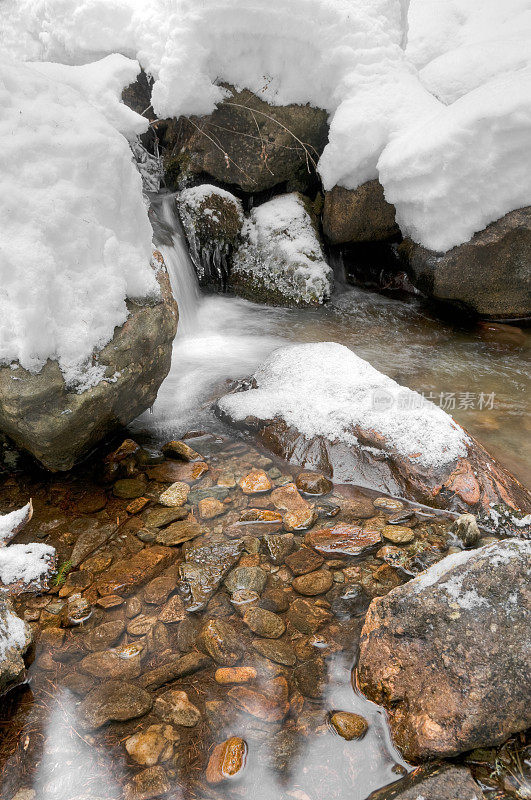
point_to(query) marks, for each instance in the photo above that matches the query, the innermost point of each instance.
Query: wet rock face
(247, 143)
(359, 215)
(58, 425)
(488, 275)
(446, 652)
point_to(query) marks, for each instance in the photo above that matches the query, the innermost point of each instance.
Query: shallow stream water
(479, 373)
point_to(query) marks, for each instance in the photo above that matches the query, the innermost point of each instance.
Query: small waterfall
(184, 283)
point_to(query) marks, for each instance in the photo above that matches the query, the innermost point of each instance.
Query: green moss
(61, 574)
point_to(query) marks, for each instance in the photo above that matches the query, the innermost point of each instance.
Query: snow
(28, 563)
(76, 240)
(460, 88)
(13, 631)
(11, 523)
(281, 252)
(324, 389)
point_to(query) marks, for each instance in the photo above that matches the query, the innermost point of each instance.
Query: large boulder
(212, 219)
(280, 259)
(247, 143)
(359, 215)
(15, 640)
(448, 653)
(59, 424)
(322, 407)
(488, 275)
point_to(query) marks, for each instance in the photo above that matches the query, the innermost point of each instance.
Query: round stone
(398, 534)
(348, 725)
(313, 483)
(264, 623)
(313, 583)
(388, 503)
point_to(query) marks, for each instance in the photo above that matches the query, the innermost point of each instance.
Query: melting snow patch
(324, 389)
(29, 563)
(13, 632)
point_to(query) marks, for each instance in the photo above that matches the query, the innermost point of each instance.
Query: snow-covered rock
(22, 566)
(489, 275)
(76, 240)
(323, 407)
(59, 423)
(212, 219)
(448, 652)
(15, 640)
(280, 259)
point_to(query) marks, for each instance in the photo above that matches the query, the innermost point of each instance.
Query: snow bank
(348, 57)
(280, 252)
(28, 563)
(13, 522)
(474, 153)
(76, 240)
(324, 389)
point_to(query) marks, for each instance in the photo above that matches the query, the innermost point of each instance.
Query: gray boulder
(448, 653)
(15, 639)
(359, 215)
(59, 425)
(489, 275)
(247, 143)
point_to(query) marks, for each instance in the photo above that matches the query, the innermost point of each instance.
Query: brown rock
(313, 483)
(228, 675)
(260, 515)
(178, 667)
(224, 144)
(209, 508)
(349, 726)
(445, 653)
(89, 540)
(288, 498)
(108, 664)
(255, 482)
(152, 745)
(358, 215)
(105, 635)
(177, 471)
(310, 677)
(488, 274)
(300, 520)
(129, 488)
(156, 591)
(220, 640)
(175, 495)
(342, 540)
(276, 650)
(173, 610)
(398, 534)
(141, 625)
(177, 449)
(125, 576)
(174, 707)
(270, 705)
(388, 503)
(147, 785)
(178, 532)
(113, 701)
(264, 623)
(304, 560)
(110, 601)
(160, 517)
(278, 546)
(274, 600)
(227, 760)
(443, 783)
(306, 617)
(313, 583)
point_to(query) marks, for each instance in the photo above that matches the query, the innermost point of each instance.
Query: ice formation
(324, 389)
(280, 251)
(349, 57)
(76, 240)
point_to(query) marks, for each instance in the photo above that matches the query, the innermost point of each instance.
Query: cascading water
(218, 336)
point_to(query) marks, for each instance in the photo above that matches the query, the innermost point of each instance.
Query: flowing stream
(479, 374)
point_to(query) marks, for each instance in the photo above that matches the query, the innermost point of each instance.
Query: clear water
(224, 338)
